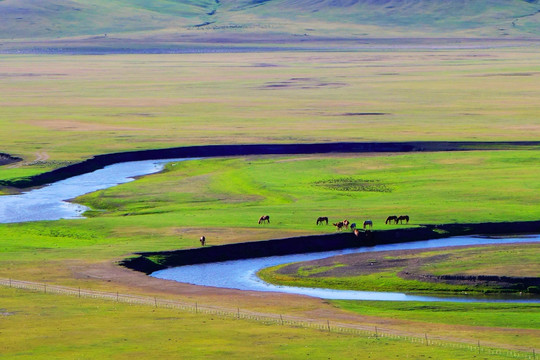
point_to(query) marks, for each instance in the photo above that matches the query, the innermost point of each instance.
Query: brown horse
(346, 223)
(339, 225)
(356, 232)
(264, 218)
(322, 219)
(393, 218)
(403, 218)
(368, 223)
(202, 240)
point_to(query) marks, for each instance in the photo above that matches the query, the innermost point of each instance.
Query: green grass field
(57, 110)
(41, 326)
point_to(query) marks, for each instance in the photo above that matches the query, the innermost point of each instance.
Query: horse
(264, 218)
(322, 219)
(356, 232)
(368, 223)
(346, 223)
(339, 225)
(403, 217)
(391, 218)
(202, 240)
(353, 226)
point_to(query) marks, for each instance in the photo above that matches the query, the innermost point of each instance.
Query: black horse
(393, 218)
(322, 219)
(264, 218)
(403, 218)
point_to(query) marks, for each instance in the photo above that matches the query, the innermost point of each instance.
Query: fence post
(196, 310)
(479, 346)
(328, 323)
(238, 313)
(427, 341)
(45, 288)
(281, 318)
(155, 301)
(117, 296)
(376, 334)
(534, 355)
(9, 282)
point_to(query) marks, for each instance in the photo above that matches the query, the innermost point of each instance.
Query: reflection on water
(241, 274)
(49, 202)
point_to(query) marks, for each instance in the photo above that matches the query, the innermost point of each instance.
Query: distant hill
(169, 19)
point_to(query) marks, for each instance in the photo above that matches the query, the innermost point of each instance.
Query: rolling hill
(243, 20)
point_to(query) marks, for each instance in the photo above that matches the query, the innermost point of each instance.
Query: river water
(51, 202)
(241, 274)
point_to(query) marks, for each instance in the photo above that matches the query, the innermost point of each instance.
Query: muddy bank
(408, 264)
(149, 262)
(100, 161)
(8, 159)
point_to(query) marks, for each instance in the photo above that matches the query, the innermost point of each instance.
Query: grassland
(223, 199)
(40, 326)
(60, 109)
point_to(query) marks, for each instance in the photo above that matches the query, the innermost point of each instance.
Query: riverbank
(149, 262)
(203, 151)
(475, 270)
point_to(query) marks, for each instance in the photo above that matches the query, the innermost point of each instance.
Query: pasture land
(223, 198)
(59, 109)
(41, 326)
(432, 188)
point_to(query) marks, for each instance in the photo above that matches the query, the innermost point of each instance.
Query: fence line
(266, 318)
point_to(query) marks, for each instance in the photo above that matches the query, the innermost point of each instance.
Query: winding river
(51, 202)
(241, 274)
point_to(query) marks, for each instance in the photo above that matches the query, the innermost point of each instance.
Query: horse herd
(345, 223)
(340, 224)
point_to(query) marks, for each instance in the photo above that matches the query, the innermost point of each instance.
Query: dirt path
(41, 156)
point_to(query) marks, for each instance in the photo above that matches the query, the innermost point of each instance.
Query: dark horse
(322, 219)
(264, 218)
(393, 218)
(202, 240)
(339, 225)
(403, 218)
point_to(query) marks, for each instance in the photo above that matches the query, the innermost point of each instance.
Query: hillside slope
(37, 19)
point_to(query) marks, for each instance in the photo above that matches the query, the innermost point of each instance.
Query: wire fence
(267, 318)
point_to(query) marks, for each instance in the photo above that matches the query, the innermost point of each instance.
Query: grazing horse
(339, 225)
(368, 223)
(264, 218)
(353, 226)
(402, 218)
(322, 219)
(356, 232)
(391, 218)
(202, 240)
(346, 223)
